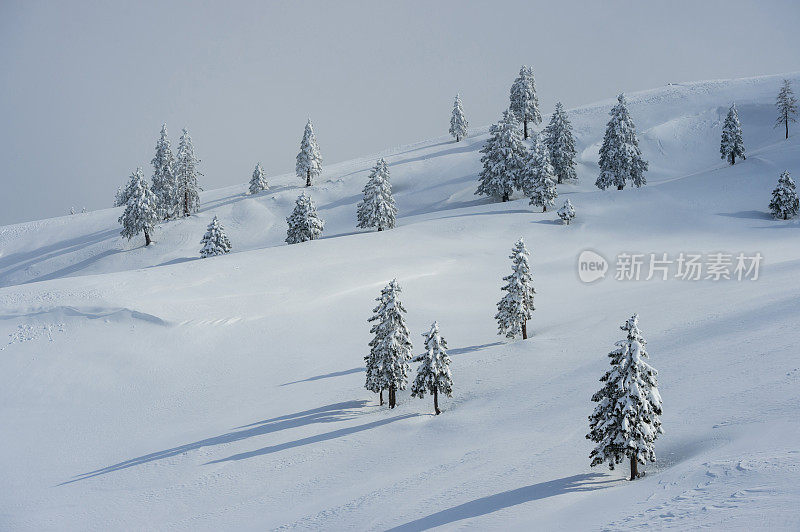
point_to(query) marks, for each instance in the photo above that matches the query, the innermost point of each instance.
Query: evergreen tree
(122, 195)
(537, 178)
(258, 182)
(458, 122)
(188, 195)
(561, 144)
(503, 159)
(215, 241)
(516, 306)
(433, 374)
(620, 158)
(390, 349)
(626, 421)
(524, 102)
(165, 186)
(304, 224)
(141, 210)
(732, 144)
(566, 212)
(309, 160)
(784, 202)
(787, 106)
(377, 209)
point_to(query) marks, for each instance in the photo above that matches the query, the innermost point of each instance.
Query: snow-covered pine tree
(141, 210)
(537, 178)
(215, 241)
(309, 160)
(516, 306)
(390, 349)
(165, 186)
(732, 145)
(304, 223)
(620, 158)
(524, 102)
(258, 182)
(561, 143)
(626, 422)
(433, 374)
(188, 192)
(566, 212)
(458, 122)
(122, 195)
(503, 159)
(784, 202)
(377, 209)
(787, 106)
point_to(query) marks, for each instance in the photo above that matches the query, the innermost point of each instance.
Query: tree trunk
(544, 208)
(436, 401)
(392, 400)
(733, 158)
(381, 396)
(559, 180)
(308, 177)
(786, 123)
(146, 238)
(634, 468)
(505, 197)
(620, 187)
(458, 139)
(524, 330)
(186, 203)
(525, 127)
(380, 228)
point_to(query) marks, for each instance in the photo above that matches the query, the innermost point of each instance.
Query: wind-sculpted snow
(145, 388)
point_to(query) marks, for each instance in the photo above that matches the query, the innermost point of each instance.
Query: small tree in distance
(433, 374)
(141, 210)
(524, 102)
(215, 241)
(503, 159)
(188, 195)
(537, 178)
(561, 144)
(516, 307)
(566, 212)
(732, 145)
(458, 122)
(309, 160)
(787, 106)
(304, 223)
(377, 209)
(258, 183)
(621, 159)
(784, 202)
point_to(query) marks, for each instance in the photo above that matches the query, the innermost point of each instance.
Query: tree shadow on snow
(751, 215)
(472, 348)
(327, 376)
(549, 222)
(506, 499)
(324, 414)
(313, 439)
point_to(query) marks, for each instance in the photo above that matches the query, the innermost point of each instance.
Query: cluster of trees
(174, 191)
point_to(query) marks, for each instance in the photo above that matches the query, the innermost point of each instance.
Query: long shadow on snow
(752, 215)
(324, 414)
(327, 376)
(313, 439)
(452, 151)
(73, 268)
(472, 348)
(506, 499)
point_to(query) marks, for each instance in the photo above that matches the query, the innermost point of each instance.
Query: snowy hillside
(145, 388)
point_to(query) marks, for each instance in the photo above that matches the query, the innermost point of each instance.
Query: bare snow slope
(141, 388)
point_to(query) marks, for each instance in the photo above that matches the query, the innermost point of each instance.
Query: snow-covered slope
(144, 388)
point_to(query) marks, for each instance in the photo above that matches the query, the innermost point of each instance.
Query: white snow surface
(144, 388)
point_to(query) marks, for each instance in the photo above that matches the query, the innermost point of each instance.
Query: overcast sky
(85, 86)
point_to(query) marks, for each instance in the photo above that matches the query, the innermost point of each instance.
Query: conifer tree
(377, 209)
(516, 306)
(561, 143)
(732, 145)
(304, 223)
(309, 160)
(626, 420)
(458, 122)
(784, 202)
(390, 349)
(566, 212)
(537, 178)
(188, 195)
(165, 185)
(258, 182)
(433, 373)
(141, 210)
(620, 158)
(122, 195)
(787, 106)
(503, 159)
(215, 241)
(524, 102)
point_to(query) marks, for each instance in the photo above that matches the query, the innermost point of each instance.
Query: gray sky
(85, 86)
